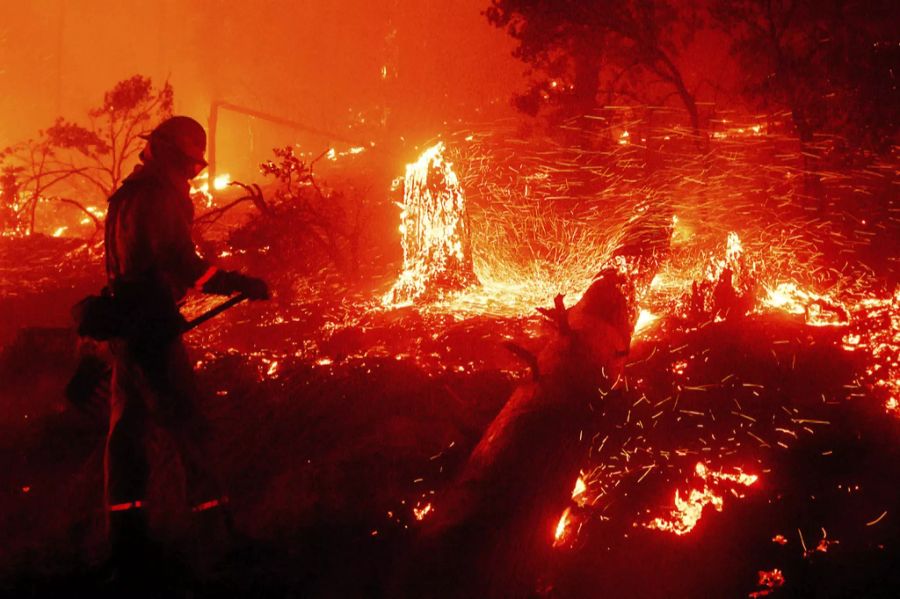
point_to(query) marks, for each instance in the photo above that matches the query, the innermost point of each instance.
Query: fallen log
(494, 527)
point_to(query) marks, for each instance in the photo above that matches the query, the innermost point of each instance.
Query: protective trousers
(152, 383)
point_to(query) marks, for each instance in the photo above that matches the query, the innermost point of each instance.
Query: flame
(819, 310)
(739, 478)
(559, 533)
(892, 406)
(645, 319)
(579, 489)
(420, 513)
(333, 154)
(200, 186)
(434, 228)
(688, 512)
(734, 248)
(768, 581)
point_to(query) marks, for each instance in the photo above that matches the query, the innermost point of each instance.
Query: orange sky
(313, 62)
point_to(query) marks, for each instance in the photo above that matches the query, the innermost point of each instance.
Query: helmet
(182, 133)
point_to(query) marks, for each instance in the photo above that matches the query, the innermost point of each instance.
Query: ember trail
(627, 324)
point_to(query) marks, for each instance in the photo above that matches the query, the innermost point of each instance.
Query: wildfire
(688, 512)
(644, 321)
(434, 226)
(819, 310)
(200, 186)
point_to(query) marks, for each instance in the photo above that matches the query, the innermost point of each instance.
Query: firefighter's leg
(126, 467)
(212, 531)
(190, 431)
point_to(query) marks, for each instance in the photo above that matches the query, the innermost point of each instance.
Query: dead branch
(557, 315)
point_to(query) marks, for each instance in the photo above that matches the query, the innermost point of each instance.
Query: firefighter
(151, 263)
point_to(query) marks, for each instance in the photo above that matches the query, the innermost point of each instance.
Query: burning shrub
(306, 222)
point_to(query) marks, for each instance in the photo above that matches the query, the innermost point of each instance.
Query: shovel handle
(229, 303)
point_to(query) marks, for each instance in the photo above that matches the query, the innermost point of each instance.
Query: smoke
(351, 67)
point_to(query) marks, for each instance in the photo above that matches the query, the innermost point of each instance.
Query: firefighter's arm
(191, 270)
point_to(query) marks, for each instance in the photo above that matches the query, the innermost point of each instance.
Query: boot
(131, 561)
(213, 535)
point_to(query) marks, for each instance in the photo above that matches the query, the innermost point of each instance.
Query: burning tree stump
(437, 252)
(494, 528)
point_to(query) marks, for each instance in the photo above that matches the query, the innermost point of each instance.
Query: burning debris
(769, 581)
(687, 512)
(437, 251)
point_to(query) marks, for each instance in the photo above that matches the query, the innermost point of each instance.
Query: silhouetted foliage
(580, 51)
(103, 149)
(82, 160)
(832, 64)
(305, 219)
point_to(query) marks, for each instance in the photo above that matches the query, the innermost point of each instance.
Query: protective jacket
(151, 260)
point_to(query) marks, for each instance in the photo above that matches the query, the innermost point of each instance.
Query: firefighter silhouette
(151, 262)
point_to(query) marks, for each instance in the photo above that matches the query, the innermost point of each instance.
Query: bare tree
(71, 159)
(101, 151)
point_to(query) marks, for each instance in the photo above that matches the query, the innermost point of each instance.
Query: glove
(226, 282)
(253, 288)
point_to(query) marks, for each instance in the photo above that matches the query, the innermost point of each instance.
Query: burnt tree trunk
(494, 528)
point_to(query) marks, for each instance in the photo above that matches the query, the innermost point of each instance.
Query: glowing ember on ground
(559, 535)
(688, 512)
(579, 489)
(644, 321)
(769, 581)
(875, 330)
(421, 512)
(437, 255)
(819, 310)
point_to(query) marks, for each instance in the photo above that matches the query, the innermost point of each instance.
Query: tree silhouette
(82, 160)
(578, 49)
(830, 63)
